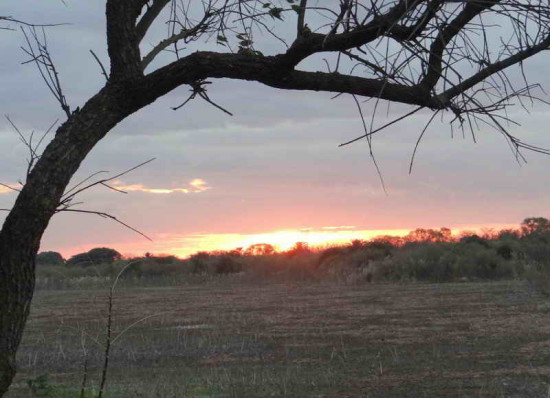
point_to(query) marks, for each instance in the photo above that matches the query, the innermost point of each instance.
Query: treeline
(423, 255)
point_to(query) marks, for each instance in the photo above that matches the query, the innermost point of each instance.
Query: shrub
(431, 262)
(469, 239)
(98, 255)
(226, 264)
(50, 258)
(479, 262)
(199, 262)
(538, 278)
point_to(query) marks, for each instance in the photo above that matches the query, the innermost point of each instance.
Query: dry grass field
(235, 338)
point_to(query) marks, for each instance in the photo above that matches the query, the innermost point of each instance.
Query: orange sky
(185, 245)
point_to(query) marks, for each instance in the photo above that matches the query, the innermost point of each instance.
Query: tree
(437, 55)
(50, 258)
(99, 255)
(535, 226)
(259, 249)
(429, 235)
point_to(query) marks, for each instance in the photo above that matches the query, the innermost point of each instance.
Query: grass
(230, 337)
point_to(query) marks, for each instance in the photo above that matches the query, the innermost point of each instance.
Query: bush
(226, 264)
(479, 262)
(98, 255)
(538, 278)
(431, 262)
(50, 258)
(535, 251)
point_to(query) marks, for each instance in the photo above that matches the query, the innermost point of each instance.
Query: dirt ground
(231, 338)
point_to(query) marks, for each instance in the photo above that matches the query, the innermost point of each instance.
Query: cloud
(199, 185)
(195, 186)
(338, 228)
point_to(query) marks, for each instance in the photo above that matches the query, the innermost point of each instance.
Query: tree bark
(36, 204)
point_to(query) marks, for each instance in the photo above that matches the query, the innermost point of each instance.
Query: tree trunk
(36, 204)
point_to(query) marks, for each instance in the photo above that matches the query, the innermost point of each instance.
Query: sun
(284, 240)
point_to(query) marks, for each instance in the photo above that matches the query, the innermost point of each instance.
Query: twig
(103, 71)
(39, 54)
(9, 187)
(420, 139)
(382, 127)
(105, 215)
(109, 329)
(85, 366)
(68, 196)
(197, 88)
(33, 148)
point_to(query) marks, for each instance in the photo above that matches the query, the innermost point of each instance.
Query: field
(233, 338)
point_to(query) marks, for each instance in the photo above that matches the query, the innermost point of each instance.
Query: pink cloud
(194, 186)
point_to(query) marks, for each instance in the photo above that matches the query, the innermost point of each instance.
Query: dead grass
(232, 338)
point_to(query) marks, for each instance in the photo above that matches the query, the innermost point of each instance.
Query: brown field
(232, 338)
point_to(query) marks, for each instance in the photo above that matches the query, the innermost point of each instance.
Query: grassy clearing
(229, 337)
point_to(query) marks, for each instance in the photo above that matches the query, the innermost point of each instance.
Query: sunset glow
(186, 245)
(8, 188)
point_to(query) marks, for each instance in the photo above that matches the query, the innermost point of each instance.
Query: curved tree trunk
(36, 204)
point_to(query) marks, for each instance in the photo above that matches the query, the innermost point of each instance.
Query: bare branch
(149, 17)
(301, 17)
(10, 187)
(183, 34)
(32, 147)
(494, 68)
(103, 71)
(69, 196)
(197, 88)
(23, 23)
(447, 33)
(37, 50)
(105, 215)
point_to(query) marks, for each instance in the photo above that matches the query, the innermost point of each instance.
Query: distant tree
(236, 252)
(80, 259)
(535, 226)
(357, 244)
(474, 238)
(385, 245)
(50, 258)
(298, 249)
(163, 258)
(104, 255)
(227, 264)
(260, 249)
(331, 253)
(388, 240)
(509, 234)
(505, 251)
(99, 255)
(199, 262)
(430, 235)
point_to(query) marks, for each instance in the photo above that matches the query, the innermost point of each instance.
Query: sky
(271, 173)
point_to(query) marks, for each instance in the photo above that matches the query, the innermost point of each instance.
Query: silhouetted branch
(37, 50)
(197, 88)
(23, 23)
(69, 196)
(67, 200)
(32, 147)
(10, 187)
(103, 71)
(105, 215)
